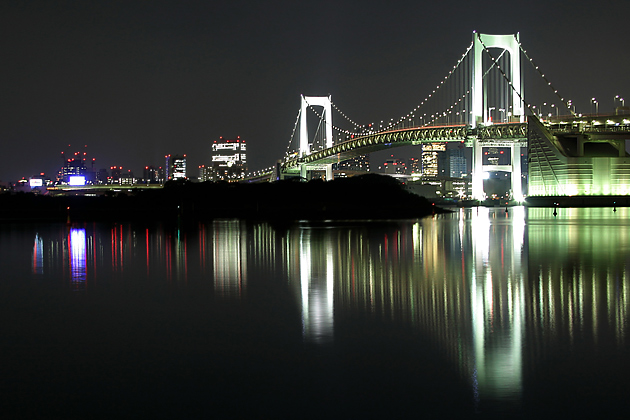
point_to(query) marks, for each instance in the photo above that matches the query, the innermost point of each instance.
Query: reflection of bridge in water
(480, 102)
(491, 291)
(481, 289)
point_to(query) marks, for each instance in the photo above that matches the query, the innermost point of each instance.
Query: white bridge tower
(479, 115)
(305, 146)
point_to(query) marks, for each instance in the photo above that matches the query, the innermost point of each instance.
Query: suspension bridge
(481, 103)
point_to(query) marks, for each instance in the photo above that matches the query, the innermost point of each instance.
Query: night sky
(135, 80)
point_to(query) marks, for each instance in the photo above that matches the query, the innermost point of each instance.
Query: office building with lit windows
(205, 173)
(430, 158)
(175, 167)
(229, 159)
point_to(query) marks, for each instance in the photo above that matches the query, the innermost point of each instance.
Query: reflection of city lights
(229, 260)
(458, 279)
(77, 256)
(38, 255)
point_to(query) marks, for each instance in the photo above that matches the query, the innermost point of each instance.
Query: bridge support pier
(329, 172)
(517, 184)
(514, 168)
(327, 168)
(477, 172)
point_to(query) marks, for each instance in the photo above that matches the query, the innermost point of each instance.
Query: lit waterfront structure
(175, 167)
(229, 159)
(441, 187)
(584, 157)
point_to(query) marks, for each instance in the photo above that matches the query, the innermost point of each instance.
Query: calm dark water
(477, 314)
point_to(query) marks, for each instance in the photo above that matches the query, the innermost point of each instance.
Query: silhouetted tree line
(363, 197)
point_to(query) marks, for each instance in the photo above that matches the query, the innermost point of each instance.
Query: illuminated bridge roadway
(565, 154)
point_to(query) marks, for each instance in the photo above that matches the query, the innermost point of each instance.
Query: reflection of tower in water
(461, 285)
(316, 287)
(497, 302)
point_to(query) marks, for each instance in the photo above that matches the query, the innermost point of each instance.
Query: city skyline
(137, 81)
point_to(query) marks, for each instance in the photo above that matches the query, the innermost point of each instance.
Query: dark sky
(135, 80)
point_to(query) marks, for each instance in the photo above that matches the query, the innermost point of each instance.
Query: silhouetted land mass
(374, 197)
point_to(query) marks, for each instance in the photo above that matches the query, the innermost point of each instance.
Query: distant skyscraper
(116, 174)
(72, 167)
(229, 159)
(430, 158)
(175, 167)
(102, 175)
(75, 165)
(456, 158)
(205, 173)
(153, 175)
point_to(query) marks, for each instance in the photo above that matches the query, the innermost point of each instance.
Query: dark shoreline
(369, 197)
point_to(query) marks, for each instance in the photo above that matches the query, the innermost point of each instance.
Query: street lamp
(594, 101)
(620, 99)
(502, 110)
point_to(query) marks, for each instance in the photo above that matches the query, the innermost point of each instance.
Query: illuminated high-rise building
(175, 167)
(75, 165)
(72, 167)
(229, 159)
(430, 158)
(456, 160)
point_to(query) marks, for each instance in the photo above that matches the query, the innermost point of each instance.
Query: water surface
(475, 314)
